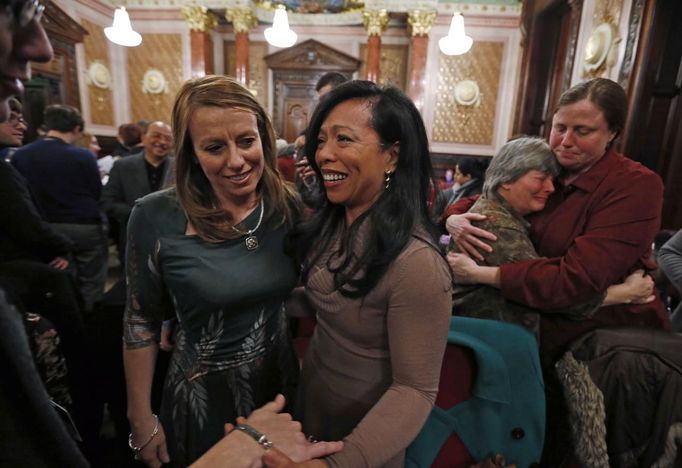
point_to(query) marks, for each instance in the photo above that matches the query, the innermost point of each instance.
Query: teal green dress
(232, 349)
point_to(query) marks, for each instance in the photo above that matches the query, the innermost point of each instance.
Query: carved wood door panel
(297, 114)
(295, 73)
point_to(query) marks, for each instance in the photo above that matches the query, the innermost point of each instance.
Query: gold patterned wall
(258, 69)
(162, 52)
(100, 99)
(473, 125)
(393, 65)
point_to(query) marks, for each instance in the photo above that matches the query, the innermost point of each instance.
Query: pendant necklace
(251, 241)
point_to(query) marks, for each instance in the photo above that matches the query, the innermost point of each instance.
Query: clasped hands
(290, 449)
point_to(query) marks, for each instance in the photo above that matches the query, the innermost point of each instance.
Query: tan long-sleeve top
(371, 372)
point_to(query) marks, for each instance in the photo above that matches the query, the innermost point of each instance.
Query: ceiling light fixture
(456, 42)
(121, 32)
(280, 35)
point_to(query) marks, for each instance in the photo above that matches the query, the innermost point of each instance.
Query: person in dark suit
(135, 176)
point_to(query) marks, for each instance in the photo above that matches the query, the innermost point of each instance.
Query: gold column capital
(242, 19)
(375, 21)
(420, 22)
(198, 18)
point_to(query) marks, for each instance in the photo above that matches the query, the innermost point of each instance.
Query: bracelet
(137, 449)
(255, 435)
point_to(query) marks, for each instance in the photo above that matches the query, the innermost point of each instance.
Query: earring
(387, 179)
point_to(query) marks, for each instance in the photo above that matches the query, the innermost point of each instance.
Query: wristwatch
(255, 435)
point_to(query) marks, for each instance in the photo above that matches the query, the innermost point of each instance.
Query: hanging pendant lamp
(456, 42)
(280, 35)
(121, 32)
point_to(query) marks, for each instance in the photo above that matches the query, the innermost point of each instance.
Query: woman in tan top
(374, 278)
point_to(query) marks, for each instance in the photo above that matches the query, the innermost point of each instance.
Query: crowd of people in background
(225, 240)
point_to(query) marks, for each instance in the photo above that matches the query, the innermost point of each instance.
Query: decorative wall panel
(393, 65)
(468, 124)
(96, 51)
(161, 52)
(606, 12)
(258, 69)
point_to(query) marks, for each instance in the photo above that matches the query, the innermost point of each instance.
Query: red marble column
(202, 53)
(372, 70)
(417, 72)
(242, 57)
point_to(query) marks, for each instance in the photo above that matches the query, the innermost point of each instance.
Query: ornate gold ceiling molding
(242, 19)
(375, 21)
(199, 18)
(420, 22)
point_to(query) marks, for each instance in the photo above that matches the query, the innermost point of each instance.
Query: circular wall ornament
(467, 93)
(153, 82)
(598, 46)
(99, 76)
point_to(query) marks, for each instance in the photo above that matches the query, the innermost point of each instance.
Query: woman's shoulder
(498, 216)
(161, 207)
(162, 199)
(628, 171)
(422, 262)
(421, 244)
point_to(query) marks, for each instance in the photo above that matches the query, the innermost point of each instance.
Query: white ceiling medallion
(98, 75)
(598, 46)
(467, 93)
(154, 82)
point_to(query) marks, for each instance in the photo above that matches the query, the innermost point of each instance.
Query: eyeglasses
(15, 119)
(25, 11)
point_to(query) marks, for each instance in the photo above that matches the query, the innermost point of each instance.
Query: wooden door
(295, 72)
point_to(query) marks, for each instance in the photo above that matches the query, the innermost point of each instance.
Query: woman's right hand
(638, 288)
(641, 287)
(285, 433)
(155, 453)
(467, 236)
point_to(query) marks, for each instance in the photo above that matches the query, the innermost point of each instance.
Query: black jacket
(24, 234)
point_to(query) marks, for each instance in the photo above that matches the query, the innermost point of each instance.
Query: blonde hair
(194, 191)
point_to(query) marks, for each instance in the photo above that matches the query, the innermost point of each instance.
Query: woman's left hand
(463, 268)
(285, 433)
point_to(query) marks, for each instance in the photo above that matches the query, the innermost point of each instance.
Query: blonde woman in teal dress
(210, 253)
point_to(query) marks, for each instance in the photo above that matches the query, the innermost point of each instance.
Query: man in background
(329, 81)
(135, 176)
(128, 140)
(66, 182)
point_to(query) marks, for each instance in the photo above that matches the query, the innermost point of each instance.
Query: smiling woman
(374, 277)
(204, 252)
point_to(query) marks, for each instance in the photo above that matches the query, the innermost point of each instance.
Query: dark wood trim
(551, 31)
(653, 132)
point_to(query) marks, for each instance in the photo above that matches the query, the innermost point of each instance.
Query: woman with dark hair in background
(469, 177)
(373, 276)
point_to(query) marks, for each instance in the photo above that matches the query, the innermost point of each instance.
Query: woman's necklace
(251, 241)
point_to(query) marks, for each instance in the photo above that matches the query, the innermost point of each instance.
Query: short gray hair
(515, 159)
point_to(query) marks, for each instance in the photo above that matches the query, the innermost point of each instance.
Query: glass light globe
(121, 32)
(280, 35)
(456, 42)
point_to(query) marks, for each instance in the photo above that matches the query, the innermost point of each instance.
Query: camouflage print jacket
(513, 244)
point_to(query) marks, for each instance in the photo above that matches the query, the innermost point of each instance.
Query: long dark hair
(399, 212)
